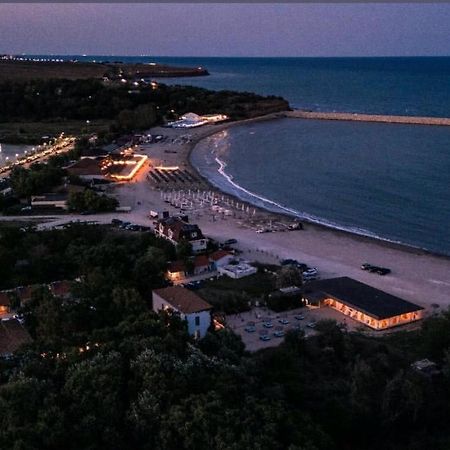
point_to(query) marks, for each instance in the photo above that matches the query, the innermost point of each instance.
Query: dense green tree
(289, 276)
(88, 200)
(38, 179)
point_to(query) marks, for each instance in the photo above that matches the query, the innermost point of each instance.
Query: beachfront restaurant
(370, 306)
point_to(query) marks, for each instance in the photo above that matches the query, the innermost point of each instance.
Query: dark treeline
(40, 100)
(105, 372)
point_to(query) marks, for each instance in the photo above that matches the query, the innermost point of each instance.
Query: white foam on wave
(301, 215)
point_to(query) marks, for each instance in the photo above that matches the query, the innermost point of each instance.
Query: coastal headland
(411, 120)
(18, 69)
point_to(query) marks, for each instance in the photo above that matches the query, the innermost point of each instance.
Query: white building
(221, 258)
(50, 200)
(177, 230)
(192, 120)
(239, 270)
(191, 308)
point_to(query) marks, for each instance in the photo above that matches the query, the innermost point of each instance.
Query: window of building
(197, 321)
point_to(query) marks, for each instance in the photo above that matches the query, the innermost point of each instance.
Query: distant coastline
(23, 68)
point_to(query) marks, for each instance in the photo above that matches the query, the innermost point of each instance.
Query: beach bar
(361, 302)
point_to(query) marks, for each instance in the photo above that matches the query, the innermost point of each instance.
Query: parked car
(250, 329)
(299, 317)
(312, 324)
(295, 263)
(375, 269)
(265, 337)
(310, 272)
(279, 334)
(289, 262)
(284, 321)
(268, 325)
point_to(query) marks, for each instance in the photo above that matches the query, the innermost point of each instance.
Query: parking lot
(259, 322)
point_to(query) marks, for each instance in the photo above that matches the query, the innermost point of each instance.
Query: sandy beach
(417, 276)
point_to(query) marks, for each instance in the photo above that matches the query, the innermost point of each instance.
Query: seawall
(444, 121)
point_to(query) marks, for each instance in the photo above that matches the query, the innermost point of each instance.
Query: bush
(278, 302)
(89, 200)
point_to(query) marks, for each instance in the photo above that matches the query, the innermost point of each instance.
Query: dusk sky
(226, 29)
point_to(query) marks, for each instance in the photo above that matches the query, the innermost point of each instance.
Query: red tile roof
(85, 166)
(60, 288)
(219, 254)
(183, 299)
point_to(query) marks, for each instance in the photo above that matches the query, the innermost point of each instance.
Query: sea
(387, 181)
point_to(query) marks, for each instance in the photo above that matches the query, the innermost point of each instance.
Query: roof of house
(201, 260)
(60, 288)
(86, 166)
(219, 254)
(183, 299)
(364, 298)
(180, 229)
(4, 299)
(12, 336)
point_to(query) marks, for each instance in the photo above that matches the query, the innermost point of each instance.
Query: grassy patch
(32, 132)
(256, 285)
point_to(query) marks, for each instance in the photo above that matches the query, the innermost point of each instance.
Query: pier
(408, 120)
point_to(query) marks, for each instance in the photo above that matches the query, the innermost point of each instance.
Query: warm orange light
(138, 166)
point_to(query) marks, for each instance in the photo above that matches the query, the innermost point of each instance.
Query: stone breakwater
(444, 121)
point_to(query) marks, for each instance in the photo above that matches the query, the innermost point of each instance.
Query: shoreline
(417, 275)
(416, 250)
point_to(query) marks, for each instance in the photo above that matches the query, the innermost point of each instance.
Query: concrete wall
(198, 330)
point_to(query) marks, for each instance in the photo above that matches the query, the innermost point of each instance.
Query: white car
(311, 271)
(310, 274)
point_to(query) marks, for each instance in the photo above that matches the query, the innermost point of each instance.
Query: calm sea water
(390, 181)
(381, 180)
(404, 86)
